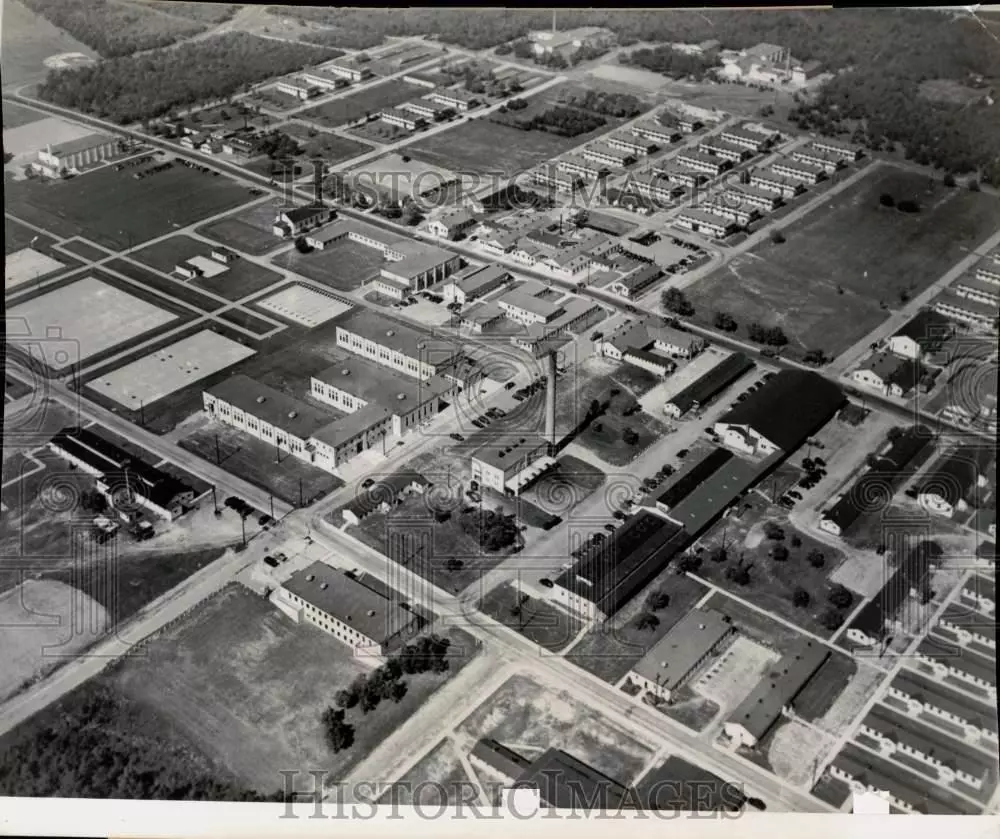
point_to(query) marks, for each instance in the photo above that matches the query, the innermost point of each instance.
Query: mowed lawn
(242, 277)
(16, 115)
(115, 210)
(332, 148)
(344, 266)
(482, 146)
(370, 101)
(824, 285)
(248, 230)
(249, 686)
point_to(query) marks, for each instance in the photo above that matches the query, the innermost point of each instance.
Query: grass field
(525, 714)
(15, 115)
(248, 230)
(611, 650)
(18, 236)
(535, 619)
(356, 105)
(249, 685)
(332, 148)
(873, 253)
(771, 581)
(254, 461)
(755, 625)
(115, 210)
(28, 39)
(439, 778)
(241, 278)
(174, 288)
(344, 266)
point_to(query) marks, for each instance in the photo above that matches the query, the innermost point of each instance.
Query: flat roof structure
(935, 694)
(788, 408)
(379, 384)
(500, 450)
(271, 406)
(710, 499)
(88, 141)
(778, 688)
(565, 782)
(349, 600)
(692, 476)
(670, 661)
(390, 333)
(527, 301)
(965, 660)
(712, 382)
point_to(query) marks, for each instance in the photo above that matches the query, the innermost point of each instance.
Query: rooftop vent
(345, 372)
(293, 414)
(323, 585)
(371, 613)
(401, 396)
(311, 577)
(701, 626)
(260, 399)
(390, 333)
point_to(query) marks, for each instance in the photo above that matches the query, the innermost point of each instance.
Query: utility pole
(271, 498)
(142, 414)
(300, 492)
(215, 500)
(218, 457)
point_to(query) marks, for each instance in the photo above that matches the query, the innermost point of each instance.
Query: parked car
(682, 454)
(477, 423)
(767, 376)
(610, 528)
(456, 436)
(794, 494)
(546, 582)
(367, 482)
(510, 385)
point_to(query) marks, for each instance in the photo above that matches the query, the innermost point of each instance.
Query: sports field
(343, 266)
(370, 101)
(824, 285)
(176, 366)
(27, 265)
(115, 210)
(248, 230)
(302, 305)
(233, 281)
(92, 315)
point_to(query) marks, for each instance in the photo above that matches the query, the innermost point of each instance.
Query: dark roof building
(783, 413)
(762, 708)
(691, 477)
(928, 330)
(710, 385)
(706, 503)
(954, 477)
(679, 785)
(499, 758)
(565, 782)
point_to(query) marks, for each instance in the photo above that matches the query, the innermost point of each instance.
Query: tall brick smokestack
(550, 398)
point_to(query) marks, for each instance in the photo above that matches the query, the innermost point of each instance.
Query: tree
(895, 433)
(453, 565)
(774, 531)
(301, 245)
(815, 558)
(840, 597)
(720, 554)
(796, 541)
(647, 621)
(370, 696)
(688, 563)
(949, 180)
(657, 601)
(908, 205)
(831, 619)
(725, 321)
(817, 357)
(630, 437)
(674, 300)
(339, 733)
(777, 237)
(800, 598)
(974, 185)
(93, 501)
(886, 200)
(779, 553)
(398, 691)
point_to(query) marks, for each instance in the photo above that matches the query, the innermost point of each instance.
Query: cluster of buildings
(899, 365)
(973, 299)
(409, 267)
(569, 41)
(765, 65)
(129, 484)
(73, 156)
(650, 344)
(958, 482)
(392, 380)
(697, 394)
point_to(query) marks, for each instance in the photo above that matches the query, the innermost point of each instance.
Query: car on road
(741, 397)
(477, 423)
(456, 436)
(682, 454)
(367, 482)
(546, 582)
(510, 385)
(794, 494)
(767, 376)
(610, 528)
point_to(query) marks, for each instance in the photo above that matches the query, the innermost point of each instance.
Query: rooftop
(405, 339)
(565, 782)
(88, 141)
(895, 370)
(501, 452)
(953, 477)
(779, 687)
(706, 501)
(692, 476)
(688, 641)
(788, 408)
(528, 302)
(934, 693)
(373, 382)
(712, 381)
(705, 217)
(928, 328)
(292, 415)
(350, 601)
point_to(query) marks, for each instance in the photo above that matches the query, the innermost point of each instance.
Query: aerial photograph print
(407, 407)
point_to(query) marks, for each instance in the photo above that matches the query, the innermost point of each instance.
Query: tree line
(566, 122)
(150, 85)
(669, 62)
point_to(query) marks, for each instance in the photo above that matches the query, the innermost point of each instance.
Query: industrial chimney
(550, 398)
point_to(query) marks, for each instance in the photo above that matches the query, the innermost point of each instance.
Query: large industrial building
(709, 385)
(395, 345)
(74, 155)
(782, 414)
(689, 643)
(509, 465)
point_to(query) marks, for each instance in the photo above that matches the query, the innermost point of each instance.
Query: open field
(248, 230)
(115, 210)
(857, 255)
(292, 480)
(356, 105)
(524, 713)
(755, 625)
(171, 368)
(45, 623)
(93, 315)
(241, 317)
(234, 281)
(26, 140)
(482, 146)
(330, 147)
(174, 288)
(595, 379)
(28, 40)
(17, 237)
(250, 685)
(343, 266)
(772, 581)
(438, 779)
(536, 619)
(15, 116)
(612, 649)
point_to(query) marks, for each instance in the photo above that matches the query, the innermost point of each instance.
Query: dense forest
(150, 85)
(96, 744)
(116, 29)
(201, 12)
(669, 62)
(566, 122)
(884, 55)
